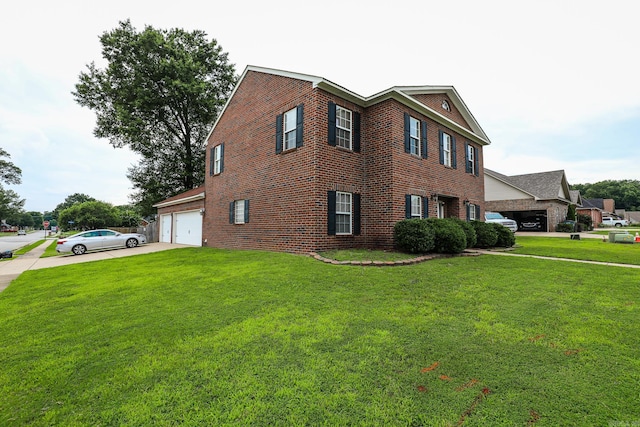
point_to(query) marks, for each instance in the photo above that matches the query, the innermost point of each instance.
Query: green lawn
(200, 336)
(585, 249)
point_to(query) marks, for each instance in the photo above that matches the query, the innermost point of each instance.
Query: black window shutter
(221, 157)
(332, 124)
(423, 138)
(467, 166)
(407, 133)
(356, 214)
(299, 124)
(211, 160)
(232, 207)
(476, 161)
(407, 206)
(425, 209)
(468, 209)
(454, 162)
(441, 139)
(331, 213)
(356, 132)
(477, 212)
(279, 119)
(246, 211)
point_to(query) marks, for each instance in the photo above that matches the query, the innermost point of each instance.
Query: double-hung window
(416, 206)
(216, 159)
(239, 212)
(447, 150)
(343, 213)
(471, 161)
(343, 128)
(289, 129)
(414, 136)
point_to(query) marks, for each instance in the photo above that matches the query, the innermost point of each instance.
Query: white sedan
(99, 239)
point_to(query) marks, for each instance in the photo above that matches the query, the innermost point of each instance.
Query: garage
(181, 218)
(188, 228)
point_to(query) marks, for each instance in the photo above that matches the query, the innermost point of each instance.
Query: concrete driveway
(10, 269)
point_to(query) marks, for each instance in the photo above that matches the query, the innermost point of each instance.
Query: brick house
(297, 163)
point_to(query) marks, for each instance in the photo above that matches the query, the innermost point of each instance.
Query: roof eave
(195, 197)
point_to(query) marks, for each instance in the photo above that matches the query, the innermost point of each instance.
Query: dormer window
(445, 105)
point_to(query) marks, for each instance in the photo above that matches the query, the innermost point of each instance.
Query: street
(11, 241)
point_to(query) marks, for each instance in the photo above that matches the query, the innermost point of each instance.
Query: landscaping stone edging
(408, 261)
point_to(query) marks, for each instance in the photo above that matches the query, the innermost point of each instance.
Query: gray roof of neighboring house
(543, 185)
(594, 203)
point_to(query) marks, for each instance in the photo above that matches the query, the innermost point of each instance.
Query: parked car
(532, 223)
(614, 222)
(22, 232)
(498, 218)
(99, 239)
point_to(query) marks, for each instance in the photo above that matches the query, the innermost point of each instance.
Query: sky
(555, 84)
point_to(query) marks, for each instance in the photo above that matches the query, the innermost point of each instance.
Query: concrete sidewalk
(11, 269)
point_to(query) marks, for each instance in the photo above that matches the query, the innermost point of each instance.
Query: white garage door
(165, 231)
(188, 228)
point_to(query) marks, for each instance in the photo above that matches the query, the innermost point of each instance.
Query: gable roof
(402, 94)
(188, 196)
(550, 185)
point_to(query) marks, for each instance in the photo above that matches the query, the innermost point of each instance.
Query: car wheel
(79, 249)
(132, 243)
(618, 225)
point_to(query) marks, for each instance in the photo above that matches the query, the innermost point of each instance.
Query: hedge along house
(297, 163)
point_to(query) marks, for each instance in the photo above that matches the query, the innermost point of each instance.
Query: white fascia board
(193, 198)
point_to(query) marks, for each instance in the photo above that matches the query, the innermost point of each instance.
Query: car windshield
(494, 215)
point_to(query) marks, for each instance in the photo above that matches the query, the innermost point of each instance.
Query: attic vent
(445, 105)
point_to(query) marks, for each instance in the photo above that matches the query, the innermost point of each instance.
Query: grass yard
(200, 336)
(585, 249)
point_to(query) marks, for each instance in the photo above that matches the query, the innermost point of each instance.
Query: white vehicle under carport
(498, 218)
(99, 239)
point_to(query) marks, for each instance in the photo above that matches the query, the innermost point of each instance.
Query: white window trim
(416, 201)
(217, 159)
(348, 130)
(415, 139)
(471, 158)
(289, 128)
(238, 214)
(345, 213)
(472, 212)
(446, 149)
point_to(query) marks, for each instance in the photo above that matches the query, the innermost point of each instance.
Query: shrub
(449, 236)
(414, 236)
(506, 238)
(564, 227)
(469, 231)
(486, 235)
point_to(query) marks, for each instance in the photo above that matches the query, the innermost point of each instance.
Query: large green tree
(10, 202)
(159, 94)
(626, 192)
(89, 215)
(71, 200)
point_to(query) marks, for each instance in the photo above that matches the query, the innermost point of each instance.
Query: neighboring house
(543, 196)
(297, 163)
(592, 210)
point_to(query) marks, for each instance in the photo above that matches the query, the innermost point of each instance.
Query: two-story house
(297, 163)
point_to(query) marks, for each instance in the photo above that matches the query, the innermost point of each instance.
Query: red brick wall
(434, 102)
(288, 191)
